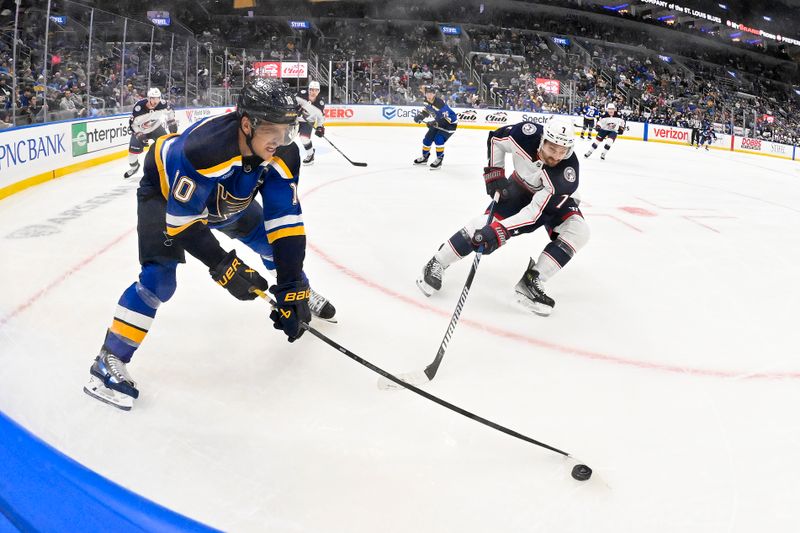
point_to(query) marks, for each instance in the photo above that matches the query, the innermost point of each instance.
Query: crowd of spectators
(389, 61)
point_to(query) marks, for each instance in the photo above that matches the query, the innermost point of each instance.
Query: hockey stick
(354, 163)
(426, 395)
(421, 377)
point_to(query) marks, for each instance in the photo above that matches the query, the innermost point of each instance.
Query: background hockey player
(538, 193)
(590, 114)
(312, 117)
(707, 135)
(147, 123)
(206, 178)
(442, 123)
(608, 127)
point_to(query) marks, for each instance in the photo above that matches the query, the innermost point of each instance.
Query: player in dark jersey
(442, 123)
(209, 177)
(590, 114)
(147, 124)
(312, 117)
(538, 193)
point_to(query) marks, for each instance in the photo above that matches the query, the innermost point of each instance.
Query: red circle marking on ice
(539, 343)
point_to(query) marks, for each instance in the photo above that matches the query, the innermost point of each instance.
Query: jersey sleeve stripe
(161, 147)
(278, 164)
(288, 220)
(180, 220)
(285, 232)
(220, 169)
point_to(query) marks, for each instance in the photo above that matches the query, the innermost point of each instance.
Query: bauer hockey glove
(495, 178)
(491, 237)
(238, 278)
(291, 309)
(320, 131)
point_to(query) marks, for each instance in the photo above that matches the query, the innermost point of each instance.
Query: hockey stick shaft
(432, 368)
(354, 163)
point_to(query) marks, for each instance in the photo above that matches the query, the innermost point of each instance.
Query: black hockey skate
(431, 279)
(437, 163)
(530, 293)
(309, 160)
(603, 156)
(131, 171)
(321, 307)
(110, 382)
(421, 160)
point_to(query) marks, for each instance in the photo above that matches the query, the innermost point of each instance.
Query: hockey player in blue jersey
(442, 123)
(590, 114)
(538, 193)
(209, 177)
(707, 135)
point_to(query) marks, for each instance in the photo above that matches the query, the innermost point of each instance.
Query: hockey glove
(291, 308)
(173, 127)
(495, 178)
(238, 278)
(418, 118)
(491, 237)
(142, 137)
(320, 131)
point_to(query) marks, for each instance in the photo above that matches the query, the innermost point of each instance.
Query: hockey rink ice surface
(669, 365)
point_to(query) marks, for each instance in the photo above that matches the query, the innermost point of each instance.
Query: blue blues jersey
(590, 111)
(443, 117)
(205, 180)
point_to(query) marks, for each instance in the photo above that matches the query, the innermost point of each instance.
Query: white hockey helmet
(153, 92)
(611, 106)
(313, 85)
(560, 130)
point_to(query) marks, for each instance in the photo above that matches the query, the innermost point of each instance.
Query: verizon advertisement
(281, 69)
(669, 134)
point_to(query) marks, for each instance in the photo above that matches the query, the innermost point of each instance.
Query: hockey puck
(581, 472)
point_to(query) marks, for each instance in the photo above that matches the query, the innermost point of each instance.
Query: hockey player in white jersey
(312, 117)
(147, 123)
(608, 127)
(538, 193)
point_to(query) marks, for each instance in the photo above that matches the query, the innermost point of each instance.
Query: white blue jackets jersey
(609, 123)
(311, 112)
(443, 117)
(590, 111)
(205, 180)
(551, 186)
(145, 120)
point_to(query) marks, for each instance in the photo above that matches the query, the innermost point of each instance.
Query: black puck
(581, 472)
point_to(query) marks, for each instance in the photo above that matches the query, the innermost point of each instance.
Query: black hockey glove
(491, 237)
(418, 118)
(142, 137)
(238, 278)
(495, 178)
(173, 127)
(291, 308)
(320, 131)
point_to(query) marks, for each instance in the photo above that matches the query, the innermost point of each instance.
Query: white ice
(670, 364)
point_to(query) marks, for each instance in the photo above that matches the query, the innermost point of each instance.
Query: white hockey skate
(431, 279)
(309, 160)
(530, 293)
(131, 171)
(421, 160)
(321, 307)
(110, 382)
(437, 163)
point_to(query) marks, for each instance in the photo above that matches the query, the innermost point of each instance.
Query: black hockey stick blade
(354, 163)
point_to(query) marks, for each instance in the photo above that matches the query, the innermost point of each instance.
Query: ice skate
(587, 154)
(431, 279)
(421, 160)
(309, 160)
(437, 163)
(603, 156)
(110, 382)
(530, 293)
(131, 171)
(321, 307)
